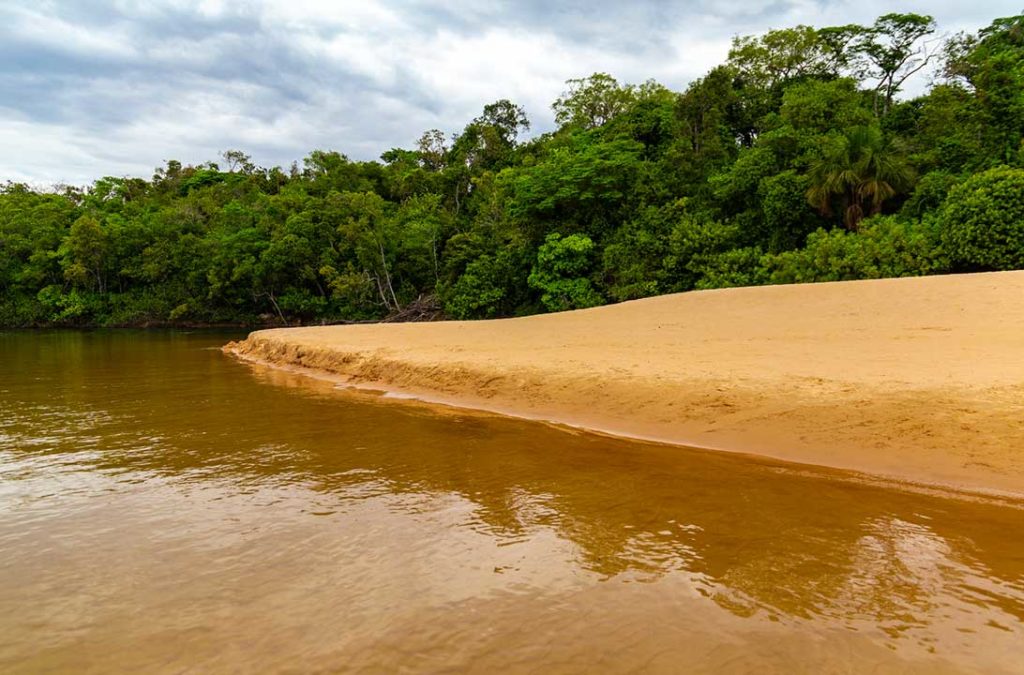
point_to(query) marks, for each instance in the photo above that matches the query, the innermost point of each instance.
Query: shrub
(560, 273)
(884, 247)
(738, 267)
(983, 221)
(929, 194)
(693, 243)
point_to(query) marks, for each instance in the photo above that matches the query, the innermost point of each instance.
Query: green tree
(858, 173)
(584, 183)
(820, 107)
(654, 191)
(85, 254)
(765, 61)
(561, 273)
(895, 48)
(991, 66)
(788, 219)
(489, 285)
(433, 150)
(370, 232)
(590, 102)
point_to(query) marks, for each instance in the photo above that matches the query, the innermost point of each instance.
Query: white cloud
(43, 28)
(119, 86)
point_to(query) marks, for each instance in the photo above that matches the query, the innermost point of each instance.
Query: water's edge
(836, 471)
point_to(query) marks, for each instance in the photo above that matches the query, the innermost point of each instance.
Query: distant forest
(795, 161)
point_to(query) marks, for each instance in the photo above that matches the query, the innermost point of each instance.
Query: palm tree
(860, 172)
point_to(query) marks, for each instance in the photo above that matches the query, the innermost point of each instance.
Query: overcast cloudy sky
(116, 87)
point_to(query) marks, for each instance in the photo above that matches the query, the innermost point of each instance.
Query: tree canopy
(798, 159)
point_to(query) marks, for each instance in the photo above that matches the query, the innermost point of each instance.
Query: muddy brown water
(165, 508)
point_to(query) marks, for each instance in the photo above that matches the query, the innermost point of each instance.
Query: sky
(91, 88)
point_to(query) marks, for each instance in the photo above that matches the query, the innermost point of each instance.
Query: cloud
(117, 87)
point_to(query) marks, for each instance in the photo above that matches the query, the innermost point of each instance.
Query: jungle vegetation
(797, 160)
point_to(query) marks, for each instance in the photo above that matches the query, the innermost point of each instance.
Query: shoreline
(438, 405)
(918, 381)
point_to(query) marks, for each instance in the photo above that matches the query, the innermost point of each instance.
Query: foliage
(983, 221)
(735, 267)
(857, 175)
(745, 177)
(884, 247)
(560, 273)
(592, 101)
(894, 49)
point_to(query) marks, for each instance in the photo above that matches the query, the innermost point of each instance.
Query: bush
(490, 285)
(738, 267)
(929, 194)
(983, 221)
(21, 311)
(560, 273)
(694, 244)
(884, 247)
(478, 292)
(72, 308)
(633, 257)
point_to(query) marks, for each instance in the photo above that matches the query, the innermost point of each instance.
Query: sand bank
(918, 380)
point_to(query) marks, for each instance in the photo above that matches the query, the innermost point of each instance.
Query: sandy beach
(918, 379)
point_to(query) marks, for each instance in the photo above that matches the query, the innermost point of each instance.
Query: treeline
(795, 161)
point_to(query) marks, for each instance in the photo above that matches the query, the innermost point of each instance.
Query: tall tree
(590, 102)
(765, 61)
(433, 150)
(990, 65)
(895, 48)
(859, 173)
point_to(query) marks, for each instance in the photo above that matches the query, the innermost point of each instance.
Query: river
(165, 508)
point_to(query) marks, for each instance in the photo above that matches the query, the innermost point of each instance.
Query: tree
(370, 232)
(967, 56)
(990, 66)
(819, 107)
(787, 218)
(838, 49)
(705, 111)
(84, 254)
(895, 48)
(764, 61)
(860, 172)
(693, 246)
(507, 119)
(590, 102)
(949, 131)
(585, 183)
(766, 65)
(491, 284)
(486, 144)
(237, 160)
(633, 259)
(560, 273)
(433, 150)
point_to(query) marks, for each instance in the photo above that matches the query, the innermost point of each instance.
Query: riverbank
(915, 379)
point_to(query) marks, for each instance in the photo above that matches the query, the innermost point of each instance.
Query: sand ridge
(916, 379)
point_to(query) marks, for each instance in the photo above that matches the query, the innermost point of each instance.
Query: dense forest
(795, 161)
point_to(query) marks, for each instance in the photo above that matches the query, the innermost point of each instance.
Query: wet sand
(918, 380)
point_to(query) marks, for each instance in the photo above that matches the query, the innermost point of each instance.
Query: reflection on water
(164, 508)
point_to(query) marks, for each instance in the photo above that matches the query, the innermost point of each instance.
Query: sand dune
(913, 379)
